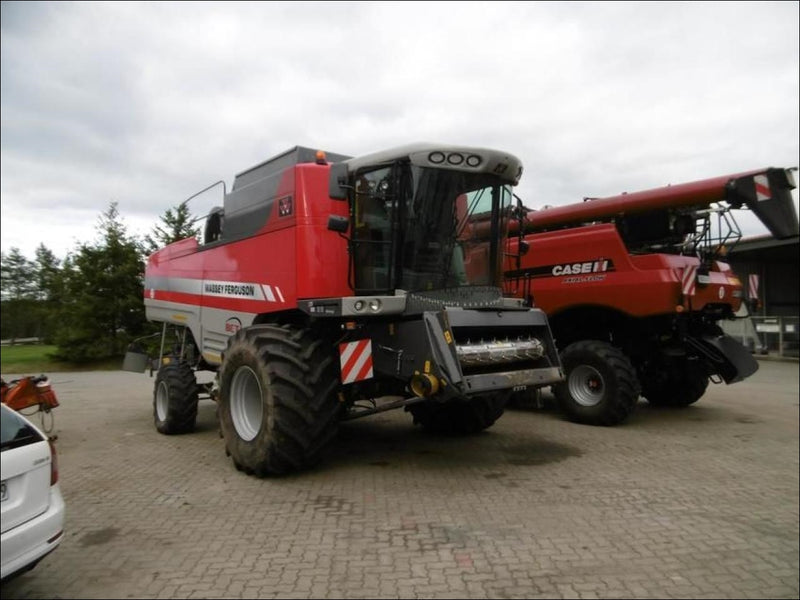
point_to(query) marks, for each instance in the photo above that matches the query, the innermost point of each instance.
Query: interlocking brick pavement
(692, 503)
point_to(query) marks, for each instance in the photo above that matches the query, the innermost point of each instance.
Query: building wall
(775, 326)
(777, 263)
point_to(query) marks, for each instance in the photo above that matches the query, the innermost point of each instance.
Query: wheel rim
(247, 408)
(586, 385)
(162, 401)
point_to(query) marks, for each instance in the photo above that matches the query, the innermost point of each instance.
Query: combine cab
(635, 287)
(329, 288)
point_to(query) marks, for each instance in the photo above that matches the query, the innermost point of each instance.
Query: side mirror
(337, 184)
(338, 223)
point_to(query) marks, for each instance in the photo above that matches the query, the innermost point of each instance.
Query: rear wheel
(677, 384)
(459, 417)
(278, 409)
(601, 387)
(175, 399)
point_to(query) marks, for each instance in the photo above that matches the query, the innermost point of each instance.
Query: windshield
(419, 228)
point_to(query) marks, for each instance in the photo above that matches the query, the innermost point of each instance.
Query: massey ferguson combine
(635, 286)
(325, 291)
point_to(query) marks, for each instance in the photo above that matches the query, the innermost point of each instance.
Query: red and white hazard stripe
(753, 287)
(355, 359)
(688, 278)
(762, 187)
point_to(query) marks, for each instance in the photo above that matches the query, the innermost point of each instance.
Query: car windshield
(15, 432)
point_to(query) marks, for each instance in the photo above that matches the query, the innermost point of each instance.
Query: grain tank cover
(249, 204)
(276, 164)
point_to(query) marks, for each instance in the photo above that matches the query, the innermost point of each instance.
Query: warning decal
(355, 359)
(688, 279)
(753, 287)
(762, 187)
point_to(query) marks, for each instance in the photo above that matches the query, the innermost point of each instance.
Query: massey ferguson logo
(583, 268)
(213, 288)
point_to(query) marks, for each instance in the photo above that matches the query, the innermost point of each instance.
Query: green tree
(175, 225)
(16, 276)
(49, 290)
(48, 273)
(19, 310)
(102, 306)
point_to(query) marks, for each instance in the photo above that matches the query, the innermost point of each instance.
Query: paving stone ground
(692, 503)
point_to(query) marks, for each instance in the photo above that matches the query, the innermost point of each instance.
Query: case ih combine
(325, 291)
(635, 286)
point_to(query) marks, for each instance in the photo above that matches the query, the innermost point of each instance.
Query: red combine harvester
(324, 291)
(635, 287)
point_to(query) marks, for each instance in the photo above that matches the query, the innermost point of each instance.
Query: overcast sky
(144, 104)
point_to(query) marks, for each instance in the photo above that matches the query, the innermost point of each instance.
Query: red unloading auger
(767, 192)
(30, 392)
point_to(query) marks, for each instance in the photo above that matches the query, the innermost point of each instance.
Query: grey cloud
(147, 103)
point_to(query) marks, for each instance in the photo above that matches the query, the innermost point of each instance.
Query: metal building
(769, 269)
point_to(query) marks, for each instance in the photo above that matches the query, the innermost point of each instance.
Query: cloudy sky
(144, 104)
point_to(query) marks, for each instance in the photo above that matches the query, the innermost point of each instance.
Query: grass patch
(35, 359)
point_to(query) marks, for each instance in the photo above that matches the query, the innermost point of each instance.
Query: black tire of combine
(278, 409)
(529, 399)
(679, 385)
(175, 399)
(460, 417)
(601, 386)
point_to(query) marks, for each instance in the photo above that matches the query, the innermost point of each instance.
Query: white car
(32, 505)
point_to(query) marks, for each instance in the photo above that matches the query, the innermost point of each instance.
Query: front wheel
(529, 399)
(175, 399)
(278, 409)
(458, 417)
(601, 387)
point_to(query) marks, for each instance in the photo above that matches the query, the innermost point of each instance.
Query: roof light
(321, 158)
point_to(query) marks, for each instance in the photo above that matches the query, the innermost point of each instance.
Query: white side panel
(221, 324)
(172, 312)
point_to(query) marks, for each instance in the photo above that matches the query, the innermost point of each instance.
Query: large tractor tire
(529, 399)
(459, 417)
(175, 398)
(678, 384)
(278, 409)
(601, 387)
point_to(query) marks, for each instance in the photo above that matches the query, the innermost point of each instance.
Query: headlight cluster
(370, 304)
